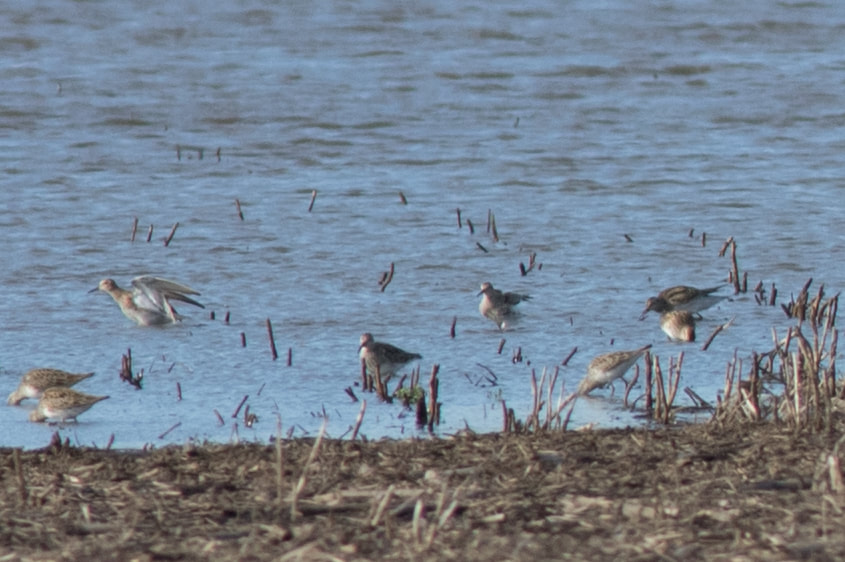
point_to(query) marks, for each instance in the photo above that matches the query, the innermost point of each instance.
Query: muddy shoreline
(750, 491)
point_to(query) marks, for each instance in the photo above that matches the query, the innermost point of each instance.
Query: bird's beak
(94, 290)
(644, 314)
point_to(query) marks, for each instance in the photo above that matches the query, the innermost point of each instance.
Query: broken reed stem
(452, 329)
(150, 233)
(126, 370)
(290, 356)
(280, 472)
(172, 427)
(532, 261)
(382, 505)
(831, 366)
(550, 416)
(501, 346)
(22, 489)
(243, 339)
(753, 397)
(313, 197)
(674, 381)
(630, 386)
(493, 227)
(402, 198)
(238, 207)
(170, 236)
(358, 419)
(300, 485)
(660, 387)
(381, 386)
(416, 525)
(433, 404)
(249, 417)
(272, 340)
(178, 391)
(796, 390)
(562, 403)
(533, 418)
(568, 357)
(219, 417)
(240, 405)
(718, 329)
(387, 278)
(134, 229)
(571, 398)
(421, 411)
(648, 382)
(470, 226)
(735, 268)
(482, 248)
(458, 212)
(444, 516)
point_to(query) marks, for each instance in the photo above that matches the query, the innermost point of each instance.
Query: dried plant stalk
(303, 479)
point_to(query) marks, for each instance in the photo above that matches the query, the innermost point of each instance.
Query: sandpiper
(679, 325)
(497, 305)
(148, 303)
(36, 381)
(388, 358)
(682, 298)
(62, 404)
(606, 368)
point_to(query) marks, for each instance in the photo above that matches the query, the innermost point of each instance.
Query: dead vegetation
(757, 491)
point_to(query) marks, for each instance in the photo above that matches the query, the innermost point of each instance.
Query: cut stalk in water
(170, 236)
(273, 351)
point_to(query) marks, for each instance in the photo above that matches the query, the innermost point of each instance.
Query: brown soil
(754, 492)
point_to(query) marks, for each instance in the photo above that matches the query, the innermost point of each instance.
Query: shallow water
(575, 126)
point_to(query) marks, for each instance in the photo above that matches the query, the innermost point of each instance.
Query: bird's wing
(157, 290)
(515, 298)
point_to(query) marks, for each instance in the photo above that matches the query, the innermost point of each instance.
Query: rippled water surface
(574, 123)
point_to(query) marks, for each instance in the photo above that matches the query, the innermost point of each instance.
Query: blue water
(574, 124)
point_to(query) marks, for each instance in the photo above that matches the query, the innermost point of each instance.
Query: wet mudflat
(751, 491)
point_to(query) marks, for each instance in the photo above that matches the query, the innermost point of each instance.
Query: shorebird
(679, 325)
(682, 298)
(148, 302)
(606, 368)
(36, 381)
(497, 305)
(62, 404)
(388, 358)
